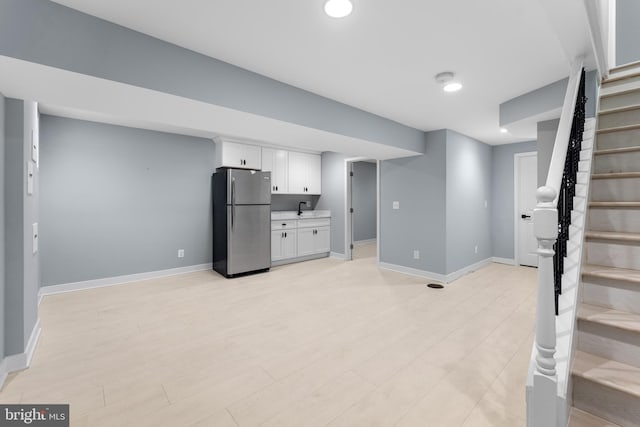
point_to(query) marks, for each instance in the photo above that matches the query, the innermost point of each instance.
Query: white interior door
(526, 184)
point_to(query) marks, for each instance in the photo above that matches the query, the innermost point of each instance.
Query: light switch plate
(396, 205)
(30, 177)
(34, 230)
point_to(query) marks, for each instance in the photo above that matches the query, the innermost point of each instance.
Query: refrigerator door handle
(233, 200)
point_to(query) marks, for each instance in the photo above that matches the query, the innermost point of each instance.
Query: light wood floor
(319, 343)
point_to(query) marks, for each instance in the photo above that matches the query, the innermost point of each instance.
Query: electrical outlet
(486, 204)
(476, 249)
(180, 253)
(396, 205)
(416, 254)
(308, 203)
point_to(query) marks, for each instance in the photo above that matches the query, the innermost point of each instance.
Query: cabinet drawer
(315, 222)
(284, 225)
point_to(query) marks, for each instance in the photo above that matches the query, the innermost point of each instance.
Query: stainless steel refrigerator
(241, 221)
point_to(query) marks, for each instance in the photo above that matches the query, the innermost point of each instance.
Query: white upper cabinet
(305, 176)
(237, 155)
(277, 162)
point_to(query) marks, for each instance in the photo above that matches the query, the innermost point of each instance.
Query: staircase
(606, 365)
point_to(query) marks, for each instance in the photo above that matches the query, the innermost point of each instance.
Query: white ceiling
(382, 58)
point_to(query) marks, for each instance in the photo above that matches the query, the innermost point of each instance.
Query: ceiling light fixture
(446, 79)
(338, 8)
(503, 130)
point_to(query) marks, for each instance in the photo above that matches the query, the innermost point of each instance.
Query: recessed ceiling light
(446, 79)
(452, 87)
(503, 130)
(338, 8)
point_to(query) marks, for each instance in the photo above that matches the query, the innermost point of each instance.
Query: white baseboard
(364, 242)
(444, 278)
(119, 280)
(337, 255)
(413, 272)
(466, 270)
(508, 261)
(18, 362)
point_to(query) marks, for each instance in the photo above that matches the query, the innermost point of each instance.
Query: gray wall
(627, 31)
(468, 186)
(546, 140)
(502, 194)
(21, 265)
(332, 198)
(418, 183)
(2, 236)
(118, 200)
(50, 34)
(364, 201)
(547, 98)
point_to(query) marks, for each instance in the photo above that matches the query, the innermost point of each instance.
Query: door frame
(516, 182)
(348, 229)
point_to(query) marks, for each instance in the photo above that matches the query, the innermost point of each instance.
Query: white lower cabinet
(294, 239)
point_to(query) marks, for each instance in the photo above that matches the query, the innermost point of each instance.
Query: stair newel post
(545, 219)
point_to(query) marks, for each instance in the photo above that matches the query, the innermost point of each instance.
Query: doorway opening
(362, 187)
(525, 185)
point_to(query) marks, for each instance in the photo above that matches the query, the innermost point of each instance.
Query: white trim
(413, 271)
(516, 184)
(365, 242)
(119, 280)
(611, 36)
(337, 255)
(451, 277)
(378, 167)
(20, 361)
(507, 261)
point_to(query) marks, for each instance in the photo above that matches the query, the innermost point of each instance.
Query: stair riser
(615, 190)
(613, 255)
(620, 85)
(627, 138)
(621, 220)
(609, 343)
(621, 100)
(621, 162)
(607, 293)
(613, 405)
(623, 118)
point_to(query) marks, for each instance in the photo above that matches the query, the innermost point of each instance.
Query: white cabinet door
(277, 162)
(304, 173)
(314, 174)
(290, 244)
(237, 155)
(276, 245)
(306, 240)
(323, 239)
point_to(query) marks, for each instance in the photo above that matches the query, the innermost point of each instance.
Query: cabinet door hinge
(351, 210)
(351, 173)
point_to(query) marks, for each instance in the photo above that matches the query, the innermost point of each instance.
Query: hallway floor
(324, 342)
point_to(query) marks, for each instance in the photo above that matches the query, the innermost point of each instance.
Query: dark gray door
(249, 238)
(247, 187)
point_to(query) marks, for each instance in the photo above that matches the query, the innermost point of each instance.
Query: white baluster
(545, 218)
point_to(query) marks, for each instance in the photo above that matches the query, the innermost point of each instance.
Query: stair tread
(614, 204)
(615, 175)
(613, 235)
(622, 92)
(618, 129)
(626, 66)
(620, 150)
(619, 109)
(579, 418)
(620, 78)
(613, 273)
(610, 317)
(615, 375)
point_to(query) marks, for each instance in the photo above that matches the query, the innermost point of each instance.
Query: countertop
(282, 215)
